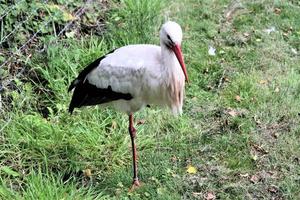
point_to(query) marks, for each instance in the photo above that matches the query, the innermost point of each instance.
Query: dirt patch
(275, 129)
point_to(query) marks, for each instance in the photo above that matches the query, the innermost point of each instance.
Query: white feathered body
(151, 75)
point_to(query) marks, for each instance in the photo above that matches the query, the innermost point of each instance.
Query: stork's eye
(169, 38)
(169, 43)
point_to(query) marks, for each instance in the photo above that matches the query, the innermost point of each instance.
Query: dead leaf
(259, 148)
(273, 189)
(237, 98)
(255, 157)
(113, 124)
(232, 113)
(236, 112)
(191, 169)
(263, 82)
(174, 159)
(246, 34)
(70, 34)
(226, 79)
(254, 179)
(87, 173)
(141, 121)
(270, 30)
(244, 175)
(294, 51)
(196, 194)
(194, 98)
(210, 196)
(256, 119)
(275, 135)
(277, 11)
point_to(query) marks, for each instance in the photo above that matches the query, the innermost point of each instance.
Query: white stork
(135, 76)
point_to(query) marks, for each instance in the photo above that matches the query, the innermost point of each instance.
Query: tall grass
(242, 148)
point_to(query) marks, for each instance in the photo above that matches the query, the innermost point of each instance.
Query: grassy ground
(240, 127)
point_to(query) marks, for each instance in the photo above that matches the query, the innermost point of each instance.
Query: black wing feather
(86, 94)
(86, 71)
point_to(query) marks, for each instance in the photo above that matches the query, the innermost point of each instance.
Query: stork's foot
(135, 185)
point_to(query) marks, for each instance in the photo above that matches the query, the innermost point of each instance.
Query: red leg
(132, 133)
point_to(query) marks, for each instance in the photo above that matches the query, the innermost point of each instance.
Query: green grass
(252, 155)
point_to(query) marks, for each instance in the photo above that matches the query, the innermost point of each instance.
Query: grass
(240, 126)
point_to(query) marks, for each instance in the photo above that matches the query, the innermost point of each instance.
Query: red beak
(177, 50)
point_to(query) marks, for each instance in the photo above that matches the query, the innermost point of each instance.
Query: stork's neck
(169, 60)
(172, 80)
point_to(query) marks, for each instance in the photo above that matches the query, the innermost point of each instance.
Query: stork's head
(171, 37)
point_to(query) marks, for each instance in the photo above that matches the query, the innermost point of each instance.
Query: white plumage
(134, 76)
(140, 71)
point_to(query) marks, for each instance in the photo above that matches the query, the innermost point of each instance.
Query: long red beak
(177, 50)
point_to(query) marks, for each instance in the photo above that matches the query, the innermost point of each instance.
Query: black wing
(86, 94)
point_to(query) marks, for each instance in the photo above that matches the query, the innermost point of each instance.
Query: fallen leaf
(194, 98)
(256, 119)
(87, 172)
(114, 124)
(211, 51)
(191, 169)
(210, 196)
(196, 194)
(275, 135)
(273, 189)
(294, 51)
(246, 34)
(174, 159)
(236, 112)
(262, 82)
(141, 121)
(270, 30)
(259, 148)
(254, 179)
(237, 98)
(70, 34)
(277, 11)
(244, 175)
(232, 113)
(255, 157)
